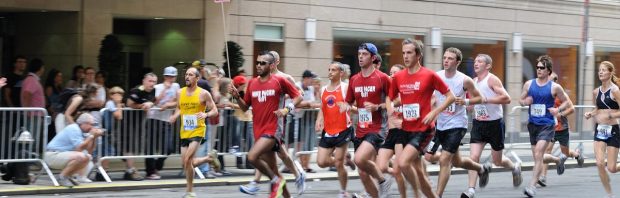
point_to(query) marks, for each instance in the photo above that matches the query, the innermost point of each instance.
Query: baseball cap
(170, 71)
(308, 74)
(239, 80)
(200, 62)
(370, 48)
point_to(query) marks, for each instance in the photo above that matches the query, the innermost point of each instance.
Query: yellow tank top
(189, 106)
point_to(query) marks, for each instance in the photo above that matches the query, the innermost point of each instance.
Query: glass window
(565, 63)
(273, 33)
(605, 54)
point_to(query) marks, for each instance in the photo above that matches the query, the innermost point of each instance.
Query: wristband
(467, 102)
(290, 107)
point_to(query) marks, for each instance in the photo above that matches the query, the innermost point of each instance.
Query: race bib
(604, 132)
(537, 110)
(450, 109)
(190, 122)
(411, 111)
(481, 112)
(365, 118)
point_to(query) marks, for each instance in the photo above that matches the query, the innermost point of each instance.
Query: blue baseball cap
(369, 47)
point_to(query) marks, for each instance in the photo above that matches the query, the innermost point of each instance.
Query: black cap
(308, 74)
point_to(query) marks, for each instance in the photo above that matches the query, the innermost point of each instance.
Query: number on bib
(411, 111)
(604, 132)
(365, 118)
(481, 112)
(450, 109)
(190, 122)
(538, 110)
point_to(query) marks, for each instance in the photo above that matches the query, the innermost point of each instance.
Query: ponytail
(615, 80)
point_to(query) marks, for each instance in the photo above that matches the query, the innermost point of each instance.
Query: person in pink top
(415, 85)
(32, 94)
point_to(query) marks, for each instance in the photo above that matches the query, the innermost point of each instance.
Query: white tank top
(455, 116)
(487, 112)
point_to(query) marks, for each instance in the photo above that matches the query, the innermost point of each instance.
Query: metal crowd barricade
(24, 136)
(234, 136)
(300, 132)
(138, 135)
(580, 130)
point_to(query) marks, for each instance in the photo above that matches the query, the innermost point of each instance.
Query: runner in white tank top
(452, 122)
(488, 125)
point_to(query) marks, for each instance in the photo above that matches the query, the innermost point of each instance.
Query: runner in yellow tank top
(192, 104)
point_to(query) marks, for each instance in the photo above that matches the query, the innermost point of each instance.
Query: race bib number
(365, 118)
(190, 122)
(537, 110)
(450, 109)
(481, 112)
(411, 111)
(604, 132)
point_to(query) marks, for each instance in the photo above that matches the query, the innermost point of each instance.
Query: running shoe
(384, 188)
(517, 179)
(300, 183)
(250, 189)
(542, 181)
(189, 195)
(343, 195)
(484, 176)
(530, 191)
(560, 166)
(469, 193)
(277, 187)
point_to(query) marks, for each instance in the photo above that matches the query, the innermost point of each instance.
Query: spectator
(73, 105)
(2, 82)
(97, 102)
(204, 72)
(161, 130)
(241, 73)
(114, 112)
(77, 78)
(140, 97)
(100, 79)
(70, 149)
(14, 79)
(309, 101)
(32, 94)
(53, 87)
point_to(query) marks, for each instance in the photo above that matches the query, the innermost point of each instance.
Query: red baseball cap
(239, 80)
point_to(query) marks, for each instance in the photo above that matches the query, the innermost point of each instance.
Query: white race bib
(190, 122)
(365, 117)
(411, 111)
(538, 110)
(450, 109)
(481, 112)
(604, 132)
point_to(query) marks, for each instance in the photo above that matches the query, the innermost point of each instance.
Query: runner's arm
(525, 100)
(496, 85)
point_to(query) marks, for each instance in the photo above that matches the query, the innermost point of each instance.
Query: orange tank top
(334, 121)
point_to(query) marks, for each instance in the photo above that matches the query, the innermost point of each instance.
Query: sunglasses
(541, 67)
(262, 62)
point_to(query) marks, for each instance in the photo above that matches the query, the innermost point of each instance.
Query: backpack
(63, 98)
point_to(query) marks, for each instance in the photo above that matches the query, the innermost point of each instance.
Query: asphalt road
(576, 182)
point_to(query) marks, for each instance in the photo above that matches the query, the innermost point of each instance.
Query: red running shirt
(265, 98)
(374, 89)
(415, 92)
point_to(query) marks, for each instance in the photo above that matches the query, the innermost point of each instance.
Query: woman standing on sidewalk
(606, 114)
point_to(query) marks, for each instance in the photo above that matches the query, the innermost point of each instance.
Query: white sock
(275, 178)
(472, 189)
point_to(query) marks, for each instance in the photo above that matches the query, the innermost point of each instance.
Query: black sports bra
(607, 102)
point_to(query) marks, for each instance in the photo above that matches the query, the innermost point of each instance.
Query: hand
(201, 115)
(172, 119)
(430, 117)
(459, 101)
(318, 127)
(528, 101)
(2, 82)
(96, 132)
(554, 111)
(147, 105)
(588, 115)
(281, 112)
(232, 90)
(343, 107)
(370, 106)
(167, 85)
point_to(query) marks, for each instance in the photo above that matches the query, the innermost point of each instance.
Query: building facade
(309, 34)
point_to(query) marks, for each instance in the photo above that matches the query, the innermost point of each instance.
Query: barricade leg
(49, 172)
